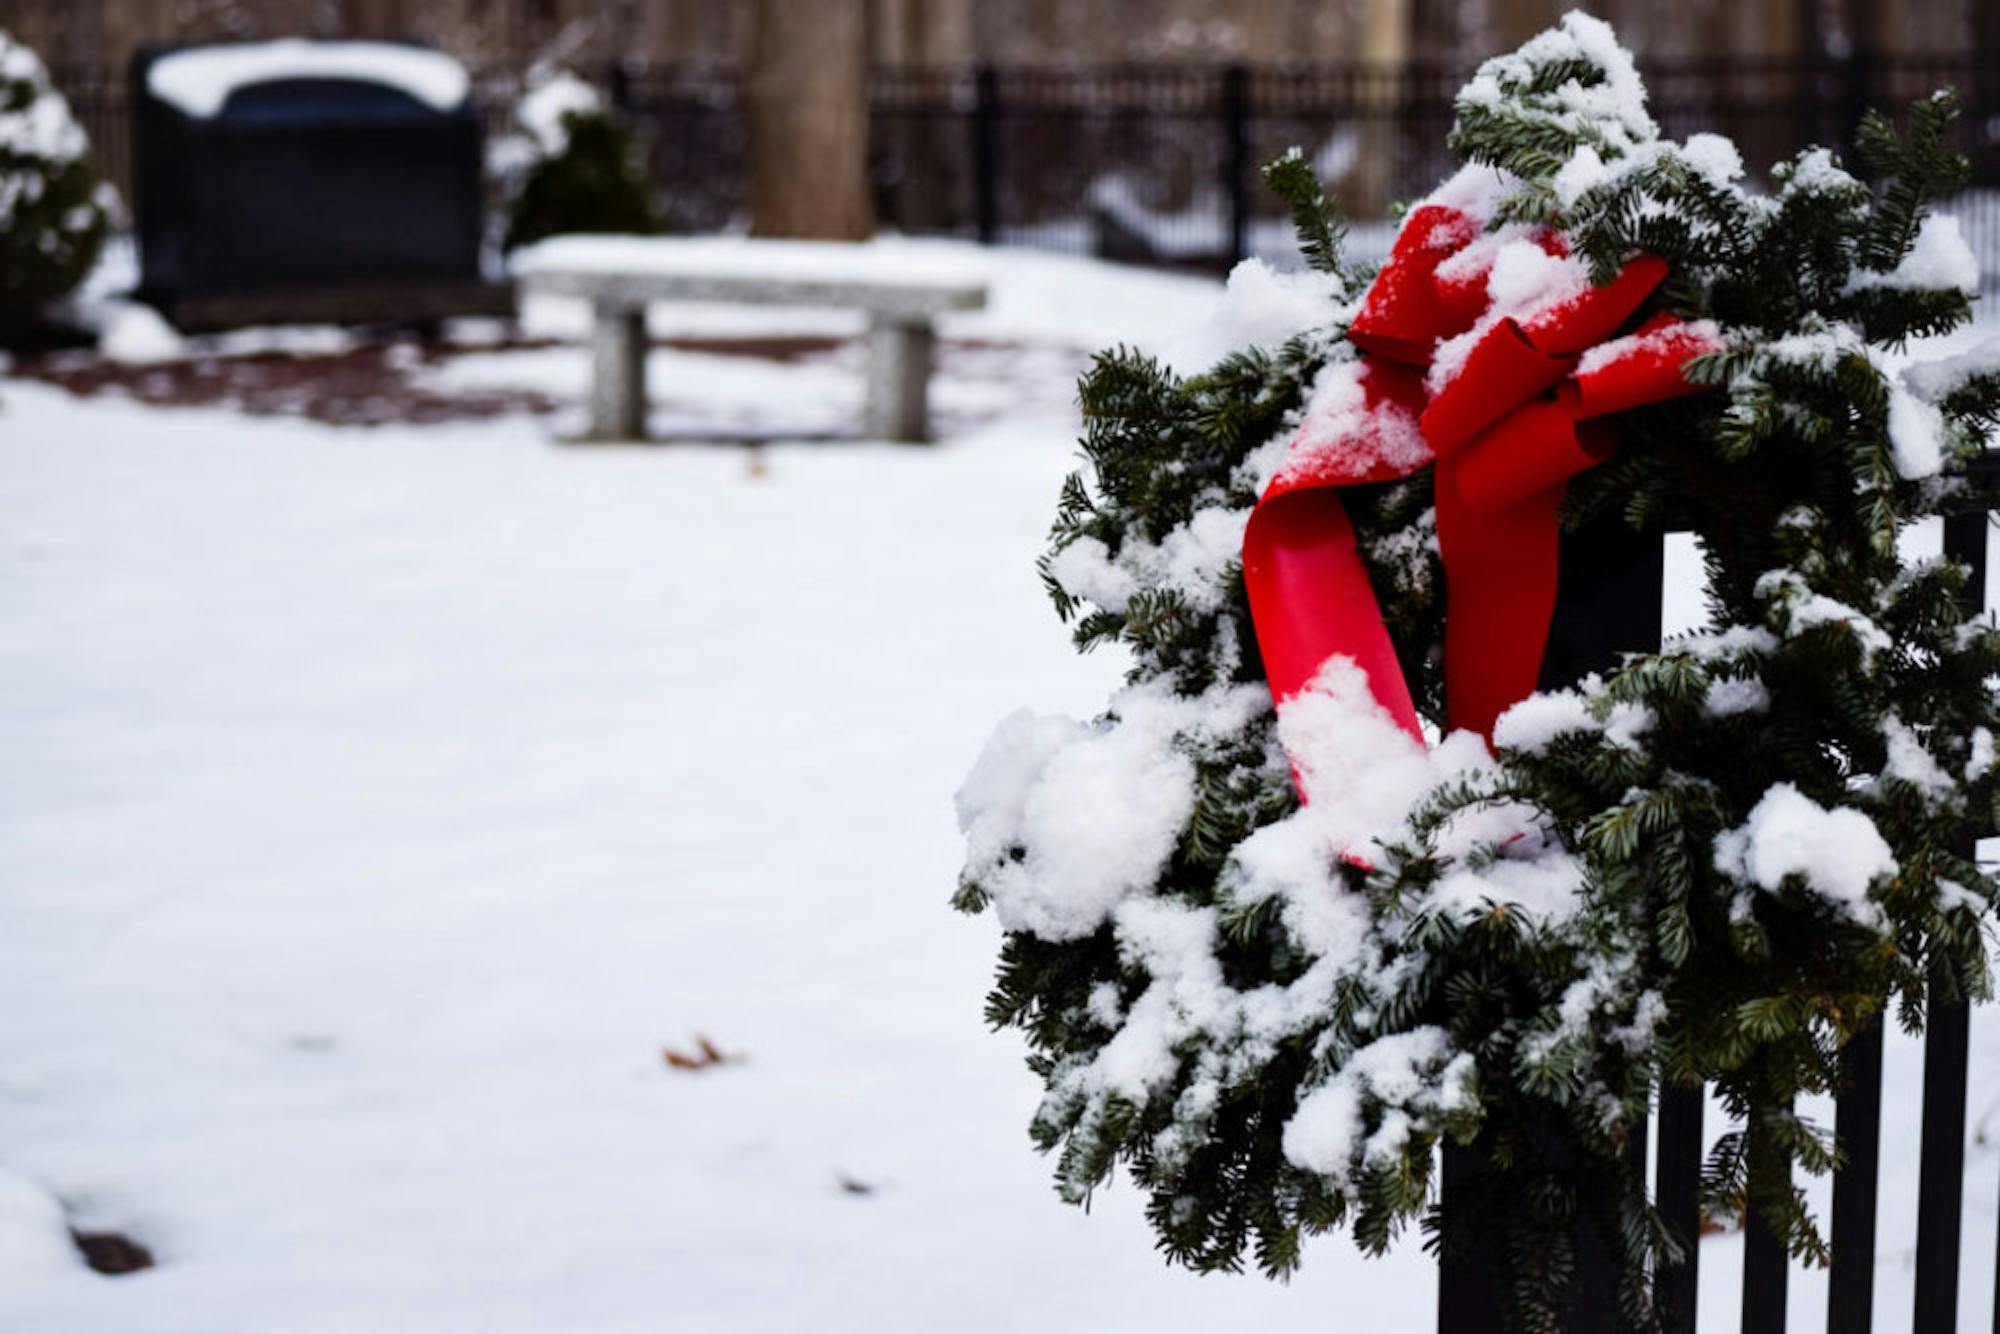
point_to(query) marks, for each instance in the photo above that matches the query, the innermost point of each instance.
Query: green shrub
(53, 213)
(571, 166)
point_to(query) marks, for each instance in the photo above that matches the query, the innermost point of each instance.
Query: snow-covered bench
(620, 276)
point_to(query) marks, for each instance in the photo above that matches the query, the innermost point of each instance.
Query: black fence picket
(1465, 1293)
(1857, 1124)
(1677, 1170)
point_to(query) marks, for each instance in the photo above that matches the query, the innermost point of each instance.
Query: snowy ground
(378, 804)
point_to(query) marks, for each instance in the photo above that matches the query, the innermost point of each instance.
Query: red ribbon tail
(1310, 599)
(1500, 596)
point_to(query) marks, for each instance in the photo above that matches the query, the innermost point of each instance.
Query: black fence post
(1469, 1261)
(1236, 156)
(1858, 76)
(986, 153)
(1941, 1167)
(618, 86)
(1608, 603)
(1766, 1262)
(1857, 1125)
(1947, 1033)
(1677, 1193)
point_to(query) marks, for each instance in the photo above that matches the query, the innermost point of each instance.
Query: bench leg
(899, 374)
(618, 374)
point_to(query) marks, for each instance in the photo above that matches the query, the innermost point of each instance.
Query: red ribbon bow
(1524, 413)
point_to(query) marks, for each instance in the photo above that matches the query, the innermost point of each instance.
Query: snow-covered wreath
(1268, 957)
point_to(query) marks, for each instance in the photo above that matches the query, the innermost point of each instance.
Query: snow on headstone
(200, 81)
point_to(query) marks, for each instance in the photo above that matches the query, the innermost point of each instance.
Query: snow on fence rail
(1017, 155)
(1467, 1299)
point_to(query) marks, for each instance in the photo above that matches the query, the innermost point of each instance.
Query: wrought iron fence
(1472, 1276)
(1158, 163)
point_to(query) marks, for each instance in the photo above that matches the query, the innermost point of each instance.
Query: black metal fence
(1472, 1276)
(1158, 163)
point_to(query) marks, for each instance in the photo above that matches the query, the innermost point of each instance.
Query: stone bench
(902, 293)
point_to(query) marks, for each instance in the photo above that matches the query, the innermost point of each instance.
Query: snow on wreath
(1268, 956)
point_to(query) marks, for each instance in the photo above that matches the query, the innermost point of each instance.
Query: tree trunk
(808, 122)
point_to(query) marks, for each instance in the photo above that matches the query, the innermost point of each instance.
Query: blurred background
(455, 879)
(1119, 128)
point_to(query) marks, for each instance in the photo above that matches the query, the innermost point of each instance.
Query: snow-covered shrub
(53, 213)
(1717, 863)
(570, 165)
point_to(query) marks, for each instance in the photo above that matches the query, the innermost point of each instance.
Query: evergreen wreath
(1719, 862)
(54, 215)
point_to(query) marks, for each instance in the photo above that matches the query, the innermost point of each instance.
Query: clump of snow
(1980, 762)
(1361, 777)
(1359, 772)
(1343, 436)
(1475, 189)
(1523, 279)
(1817, 348)
(200, 81)
(1191, 561)
(1501, 853)
(1413, 1074)
(136, 334)
(544, 113)
(1581, 173)
(1409, 555)
(1916, 433)
(1714, 156)
(1104, 1006)
(1525, 276)
(1727, 696)
(1691, 335)
(1939, 260)
(541, 122)
(1612, 109)
(1800, 608)
(1259, 307)
(42, 127)
(1086, 570)
(1627, 723)
(1534, 724)
(1175, 944)
(1912, 762)
(1063, 821)
(1816, 171)
(1838, 853)
(1936, 380)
